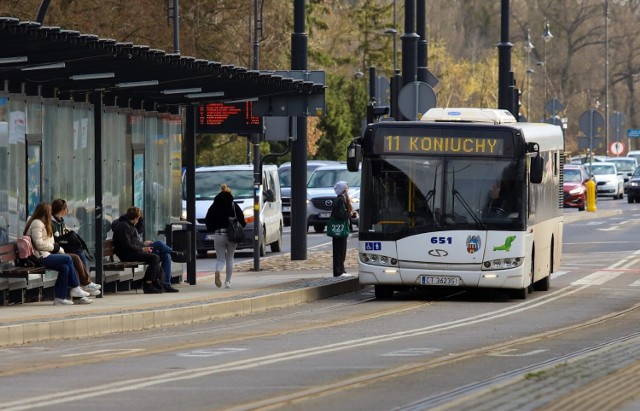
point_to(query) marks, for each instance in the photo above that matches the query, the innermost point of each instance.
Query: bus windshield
(410, 195)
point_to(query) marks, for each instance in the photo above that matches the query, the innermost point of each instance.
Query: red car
(575, 190)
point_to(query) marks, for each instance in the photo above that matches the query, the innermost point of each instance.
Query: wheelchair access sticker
(373, 246)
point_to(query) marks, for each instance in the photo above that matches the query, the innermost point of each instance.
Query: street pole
(505, 101)
(546, 36)
(529, 48)
(299, 49)
(606, 74)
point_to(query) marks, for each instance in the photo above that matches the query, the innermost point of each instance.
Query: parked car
(633, 193)
(626, 166)
(574, 186)
(320, 194)
(240, 179)
(608, 181)
(635, 154)
(284, 172)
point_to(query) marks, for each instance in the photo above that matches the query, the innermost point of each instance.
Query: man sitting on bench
(128, 247)
(159, 248)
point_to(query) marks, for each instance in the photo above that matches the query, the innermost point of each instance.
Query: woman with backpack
(52, 255)
(59, 209)
(217, 221)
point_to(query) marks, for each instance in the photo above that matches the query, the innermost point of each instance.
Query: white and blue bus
(462, 198)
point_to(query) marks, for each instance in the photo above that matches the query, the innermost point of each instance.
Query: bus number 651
(441, 240)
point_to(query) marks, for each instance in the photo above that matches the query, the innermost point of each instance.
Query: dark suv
(633, 190)
(284, 171)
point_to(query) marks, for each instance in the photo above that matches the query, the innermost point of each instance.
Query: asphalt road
(439, 349)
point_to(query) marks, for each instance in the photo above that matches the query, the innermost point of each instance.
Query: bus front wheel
(383, 292)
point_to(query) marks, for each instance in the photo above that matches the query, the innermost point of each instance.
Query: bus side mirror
(354, 153)
(537, 169)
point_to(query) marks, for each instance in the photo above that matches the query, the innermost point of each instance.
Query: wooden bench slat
(9, 254)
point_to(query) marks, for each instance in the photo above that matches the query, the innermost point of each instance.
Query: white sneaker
(79, 292)
(93, 293)
(344, 275)
(62, 301)
(84, 300)
(91, 286)
(227, 284)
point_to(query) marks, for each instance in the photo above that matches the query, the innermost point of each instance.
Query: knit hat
(340, 187)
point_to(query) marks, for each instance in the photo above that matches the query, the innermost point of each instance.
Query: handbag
(235, 231)
(338, 227)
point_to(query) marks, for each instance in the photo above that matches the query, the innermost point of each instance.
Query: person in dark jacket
(159, 248)
(217, 220)
(342, 210)
(128, 247)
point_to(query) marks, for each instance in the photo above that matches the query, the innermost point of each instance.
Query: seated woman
(39, 229)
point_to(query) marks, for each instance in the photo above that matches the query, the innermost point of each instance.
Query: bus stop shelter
(51, 62)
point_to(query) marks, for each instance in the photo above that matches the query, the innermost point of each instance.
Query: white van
(240, 179)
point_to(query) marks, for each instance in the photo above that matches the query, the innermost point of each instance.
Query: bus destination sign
(471, 145)
(228, 118)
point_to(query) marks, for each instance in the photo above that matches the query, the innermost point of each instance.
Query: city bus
(464, 198)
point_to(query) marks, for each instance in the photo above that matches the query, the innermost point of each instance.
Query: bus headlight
(376, 259)
(502, 263)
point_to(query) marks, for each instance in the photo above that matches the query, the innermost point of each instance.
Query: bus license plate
(438, 280)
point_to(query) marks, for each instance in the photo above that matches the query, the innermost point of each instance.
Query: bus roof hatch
(469, 115)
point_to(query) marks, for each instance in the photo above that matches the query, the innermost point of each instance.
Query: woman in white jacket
(39, 229)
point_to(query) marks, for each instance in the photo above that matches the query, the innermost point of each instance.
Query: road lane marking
(106, 353)
(80, 394)
(597, 278)
(512, 352)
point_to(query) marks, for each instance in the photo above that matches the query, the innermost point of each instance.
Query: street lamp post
(529, 48)
(547, 36)
(394, 32)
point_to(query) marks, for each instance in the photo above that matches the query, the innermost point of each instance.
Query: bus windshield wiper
(473, 215)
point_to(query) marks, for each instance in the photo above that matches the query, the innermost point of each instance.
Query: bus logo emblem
(438, 253)
(473, 244)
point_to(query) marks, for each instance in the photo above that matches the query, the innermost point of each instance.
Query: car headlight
(634, 183)
(248, 215)
(577, 190)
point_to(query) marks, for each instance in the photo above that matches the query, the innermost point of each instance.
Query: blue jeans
(164, 252)
(67, 276)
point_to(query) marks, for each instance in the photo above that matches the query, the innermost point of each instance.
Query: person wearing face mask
(343, 210)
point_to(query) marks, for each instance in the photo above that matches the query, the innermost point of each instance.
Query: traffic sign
(591, 123)
(616, 148)
(415, 99)
(633, 132)
(554, 106)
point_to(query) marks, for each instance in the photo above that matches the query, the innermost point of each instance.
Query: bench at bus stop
(118, 275)
(123, 275)
(21, 284)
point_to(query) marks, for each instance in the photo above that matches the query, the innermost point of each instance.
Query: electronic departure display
(434, 142)
(228, 118)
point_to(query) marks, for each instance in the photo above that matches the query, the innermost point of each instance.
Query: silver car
(320, 194)
(608, 181)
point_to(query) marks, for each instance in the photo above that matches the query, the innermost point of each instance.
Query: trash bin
(179, 239)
